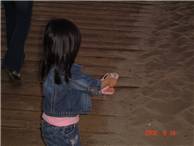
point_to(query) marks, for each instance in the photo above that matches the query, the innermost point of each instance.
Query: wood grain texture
(150, 44)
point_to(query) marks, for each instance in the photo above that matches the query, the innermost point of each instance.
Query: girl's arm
(104, 86)
(94, 87)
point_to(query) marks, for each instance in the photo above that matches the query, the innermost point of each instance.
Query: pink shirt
(60, 121)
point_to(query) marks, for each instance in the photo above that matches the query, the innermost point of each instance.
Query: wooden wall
(125, 37)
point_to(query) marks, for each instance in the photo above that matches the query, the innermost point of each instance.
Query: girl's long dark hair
(61, 44)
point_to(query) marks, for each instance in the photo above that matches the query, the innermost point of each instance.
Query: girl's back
(66, 90)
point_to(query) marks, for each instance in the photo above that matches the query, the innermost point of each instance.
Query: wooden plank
(93, 45)
(102, 4)
(130, 48)
(113, 6)
(87, 6)
(94, 70)
(94, 57)
(28, 78)
(32, 137)
(36, 30)
(21, 137)
(121, 94)
(34, 55)
(31, 120)
(103, 106)
(36, 79)
(36, 33)
(40, 26)
(20, 102)
(34, 89)
(102, 18)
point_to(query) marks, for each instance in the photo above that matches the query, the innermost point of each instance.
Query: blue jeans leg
(18, 19)
(60, 136)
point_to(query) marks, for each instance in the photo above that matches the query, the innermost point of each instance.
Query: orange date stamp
(165, 133)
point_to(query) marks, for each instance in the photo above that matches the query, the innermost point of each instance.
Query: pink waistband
(60, 121)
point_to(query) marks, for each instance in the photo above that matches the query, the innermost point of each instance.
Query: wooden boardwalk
(149, 44)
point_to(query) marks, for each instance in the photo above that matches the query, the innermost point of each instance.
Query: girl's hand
(108, 90)
(109, 79)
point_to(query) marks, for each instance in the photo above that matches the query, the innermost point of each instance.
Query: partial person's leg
(15, 55)
(60, 136)
(10, 17)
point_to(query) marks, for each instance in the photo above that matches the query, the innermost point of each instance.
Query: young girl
(67, 91)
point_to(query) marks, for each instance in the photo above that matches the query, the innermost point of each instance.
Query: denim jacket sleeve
(85, 82)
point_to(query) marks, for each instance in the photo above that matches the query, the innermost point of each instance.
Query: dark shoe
(13, 75)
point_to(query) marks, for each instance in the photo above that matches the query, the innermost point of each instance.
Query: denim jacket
(72, 98)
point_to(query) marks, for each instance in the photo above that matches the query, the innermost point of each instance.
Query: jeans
(18, 16)
(60, 136)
